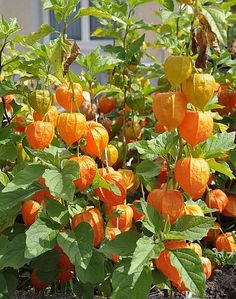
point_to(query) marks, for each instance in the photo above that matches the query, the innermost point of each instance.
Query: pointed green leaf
(57, 212)
(43, 31)
(217, 145)
(40, 237)
(135, 286)
(160, 280)
(4, 180)
(148, 169)
(221, 167)
(78, 244)
(8, 283)
(217, 20)
(153, 221)
(192, 227)
(60, 183)
(12, 199)
(124, 244)
(189, 265)
(12, 253)
(95, 272)
(25, 177)
(145, 250)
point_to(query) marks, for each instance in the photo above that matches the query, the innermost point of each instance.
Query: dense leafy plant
(92, 190)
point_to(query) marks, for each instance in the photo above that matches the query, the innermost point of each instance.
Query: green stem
(73, 93)
(1, 52)
(5, 110)
(125, 89)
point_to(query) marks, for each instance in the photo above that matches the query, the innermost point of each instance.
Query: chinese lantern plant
(66, 216)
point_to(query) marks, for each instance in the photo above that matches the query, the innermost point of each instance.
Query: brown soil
(222, 284)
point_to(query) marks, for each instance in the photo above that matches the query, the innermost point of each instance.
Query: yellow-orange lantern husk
(111, 233)
(230, 208)
(194, 210)
(169, 203)
(94, 217)
(39, 134)
(196, 248)
(164, 264)
(217, 199)
(198, 89)
(71, 127)
(212, 234)
(196, 127)
(137, 215)
(124, 220)
(207, 267)
(68, 94)
(192, 174)
(169, 108)
(97, 139)
(226, 242)
(108, 196)
(87, 169)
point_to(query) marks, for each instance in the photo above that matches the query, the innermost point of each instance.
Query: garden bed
(222, 284)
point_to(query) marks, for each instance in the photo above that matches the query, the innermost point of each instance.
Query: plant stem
(73, 94)
(5, 110)
(1, 52)
(125, 92)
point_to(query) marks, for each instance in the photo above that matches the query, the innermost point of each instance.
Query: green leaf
(4, 180)
(8, 152)
(56, 58)
(145, 250)
(91, 11)
(189, 265)
(7, 217)
(10, 87)
(12, 199)
(160, 280)
(83, 290)
(124, 244)
(51, 156)
(153, 221)
(142, 287)
(162, 145)
(217, 21)
(46, 262)
(100, 182)
(8, 283)
(148, 169)
(40, 237)
(33, 37)
(192, 227)
(169, 4)
(7, 137)
(8, 27)
(134, 286)
(217, 145)
(47, 266)
(60, 183)
(222, 167)
(57, 212)
(25, 177)
(78, 244)
(1, 113)
(135, 46)
(95, 272)
(62, 8)
(12, 252)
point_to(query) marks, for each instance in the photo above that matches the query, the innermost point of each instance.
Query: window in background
(82, 29)
(73, 32)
